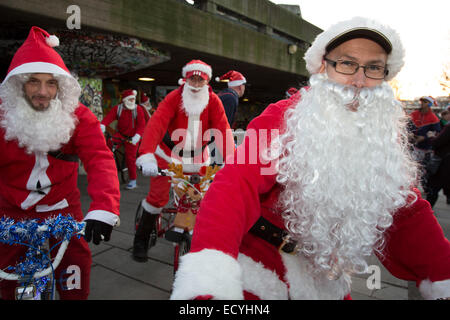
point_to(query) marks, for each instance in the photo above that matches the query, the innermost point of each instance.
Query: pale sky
(424, 26)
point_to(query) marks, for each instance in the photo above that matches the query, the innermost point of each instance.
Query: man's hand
(135, 139)
(149, 169)
(97, 230)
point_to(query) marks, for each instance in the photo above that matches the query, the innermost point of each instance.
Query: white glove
(102, 126)
(135, 139)
(149, 169)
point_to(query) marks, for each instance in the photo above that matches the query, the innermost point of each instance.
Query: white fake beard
(195, 102)
(345, 173)
(129, 105)
(38, 131)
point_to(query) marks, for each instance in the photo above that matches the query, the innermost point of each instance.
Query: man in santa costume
(230, 96)
(179, 132)
(146, 105)
(44, 130)
(334, 185)
(130, 127)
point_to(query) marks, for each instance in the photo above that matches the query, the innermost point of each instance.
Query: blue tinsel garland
(33, 234)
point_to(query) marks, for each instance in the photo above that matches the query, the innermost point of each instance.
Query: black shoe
(142, 237)
(140, 251)
(448, 200)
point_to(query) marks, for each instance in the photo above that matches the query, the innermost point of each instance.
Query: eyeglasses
(371, 71)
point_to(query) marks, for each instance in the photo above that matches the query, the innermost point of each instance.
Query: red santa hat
(291, 91)
(196, 68)
(36, 55)
(129, 93)
(432, 101)
(357, 27)
(234, 78)
(144, 98)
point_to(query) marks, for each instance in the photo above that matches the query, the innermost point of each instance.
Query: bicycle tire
(121, 167)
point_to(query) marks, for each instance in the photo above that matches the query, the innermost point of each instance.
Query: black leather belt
(63, 156)
(274, 235)
(172, 146)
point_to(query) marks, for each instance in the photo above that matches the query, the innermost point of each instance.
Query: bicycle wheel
(122, 169)
(181, 248)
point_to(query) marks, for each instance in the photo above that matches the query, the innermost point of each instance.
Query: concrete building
(110, 44)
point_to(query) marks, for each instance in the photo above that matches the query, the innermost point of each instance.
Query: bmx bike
(177, 219)
(35, 272)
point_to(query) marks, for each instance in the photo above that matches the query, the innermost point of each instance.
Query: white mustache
(195, 89)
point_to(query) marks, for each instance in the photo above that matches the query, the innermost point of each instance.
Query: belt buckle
(284, 243)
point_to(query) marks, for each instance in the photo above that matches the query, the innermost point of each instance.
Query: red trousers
(130, 153)
(130, 159)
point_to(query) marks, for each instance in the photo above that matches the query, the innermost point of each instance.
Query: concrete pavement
(116, 276)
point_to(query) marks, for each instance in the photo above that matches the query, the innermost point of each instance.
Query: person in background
(145, 104)
(230, 96)
(290, 92)
(441, 147)
(130, 127)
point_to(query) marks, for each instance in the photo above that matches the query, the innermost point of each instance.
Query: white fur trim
(303, 285)
(37, 174)
(38, 67)
(314, 55)
(194, 167)
(197, 66)
(52, 41)
(208, 272)
(160, 152)
(434, 290)
(181, 81)
(261, 281)
(236, 83)
(104, 216)
(57, 206)
(149, 208)
(148, 157)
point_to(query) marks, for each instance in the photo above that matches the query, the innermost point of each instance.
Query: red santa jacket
(172, 118)
(228, 262)
(38, 185)
(127, 124)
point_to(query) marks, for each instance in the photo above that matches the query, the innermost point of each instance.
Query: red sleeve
(111, 116)
(158, 124)
(416, 248)
(98, 161)
(232, 204)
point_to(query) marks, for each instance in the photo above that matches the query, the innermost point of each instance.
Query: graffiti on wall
(91, 95)
(91, 54)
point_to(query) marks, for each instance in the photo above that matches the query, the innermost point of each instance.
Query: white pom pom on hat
(52, 41)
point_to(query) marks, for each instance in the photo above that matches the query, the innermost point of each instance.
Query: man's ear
(322, 67)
